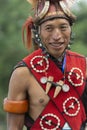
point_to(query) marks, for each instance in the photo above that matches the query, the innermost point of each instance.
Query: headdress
(46, 10)
(43, 8)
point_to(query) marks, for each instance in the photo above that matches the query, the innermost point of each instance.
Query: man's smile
(57, 45)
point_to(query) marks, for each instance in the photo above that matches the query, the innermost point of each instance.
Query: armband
(17, 107)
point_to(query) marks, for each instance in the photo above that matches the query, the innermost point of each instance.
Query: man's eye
(48, 29)
(64, 28)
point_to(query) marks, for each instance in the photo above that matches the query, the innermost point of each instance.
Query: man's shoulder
(19, 73)
(27, 59)
(75, 54)
(34, 53)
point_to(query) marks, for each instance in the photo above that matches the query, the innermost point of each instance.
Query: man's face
(55, 35)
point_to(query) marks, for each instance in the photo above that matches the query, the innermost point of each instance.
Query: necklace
(59, 85)
(40, 64)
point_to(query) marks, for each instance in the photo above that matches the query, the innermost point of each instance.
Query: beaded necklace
(60, 85)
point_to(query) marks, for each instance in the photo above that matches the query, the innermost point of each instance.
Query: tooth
(48, 85)
(58, 88)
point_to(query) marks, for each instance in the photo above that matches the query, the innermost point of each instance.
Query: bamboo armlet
(18, 107)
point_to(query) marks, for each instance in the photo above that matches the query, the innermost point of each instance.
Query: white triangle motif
(66, 127)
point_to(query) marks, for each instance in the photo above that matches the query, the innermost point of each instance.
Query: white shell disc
(43, 80)
(65, 88)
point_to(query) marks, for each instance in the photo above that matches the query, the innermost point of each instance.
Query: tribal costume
(64, 81)
(67, 107)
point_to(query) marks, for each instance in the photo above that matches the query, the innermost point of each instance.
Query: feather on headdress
(33, 2)
(68, 2)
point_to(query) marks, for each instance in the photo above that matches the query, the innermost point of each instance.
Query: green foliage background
(12, 16)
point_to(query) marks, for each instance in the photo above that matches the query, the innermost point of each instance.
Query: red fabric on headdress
(27, 26)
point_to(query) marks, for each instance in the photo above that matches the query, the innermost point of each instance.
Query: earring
(71, 40)
(69, 47)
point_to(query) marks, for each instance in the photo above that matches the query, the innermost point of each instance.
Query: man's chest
(37, 95)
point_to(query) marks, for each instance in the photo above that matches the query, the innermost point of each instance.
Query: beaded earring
(71, 40)
(36, 37)
(37, 40)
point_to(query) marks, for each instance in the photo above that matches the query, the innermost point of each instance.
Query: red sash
(67, 106)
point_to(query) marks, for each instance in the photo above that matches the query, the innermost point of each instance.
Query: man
(47, 88)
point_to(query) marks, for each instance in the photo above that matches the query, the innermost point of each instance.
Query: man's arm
(17, 92)
(15, 121)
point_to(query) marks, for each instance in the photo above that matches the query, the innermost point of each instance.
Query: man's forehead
(56, 19)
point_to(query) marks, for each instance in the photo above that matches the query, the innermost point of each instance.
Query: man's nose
(57, 34)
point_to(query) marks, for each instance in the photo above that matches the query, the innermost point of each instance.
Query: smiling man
(47, 89)
(55, 35)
